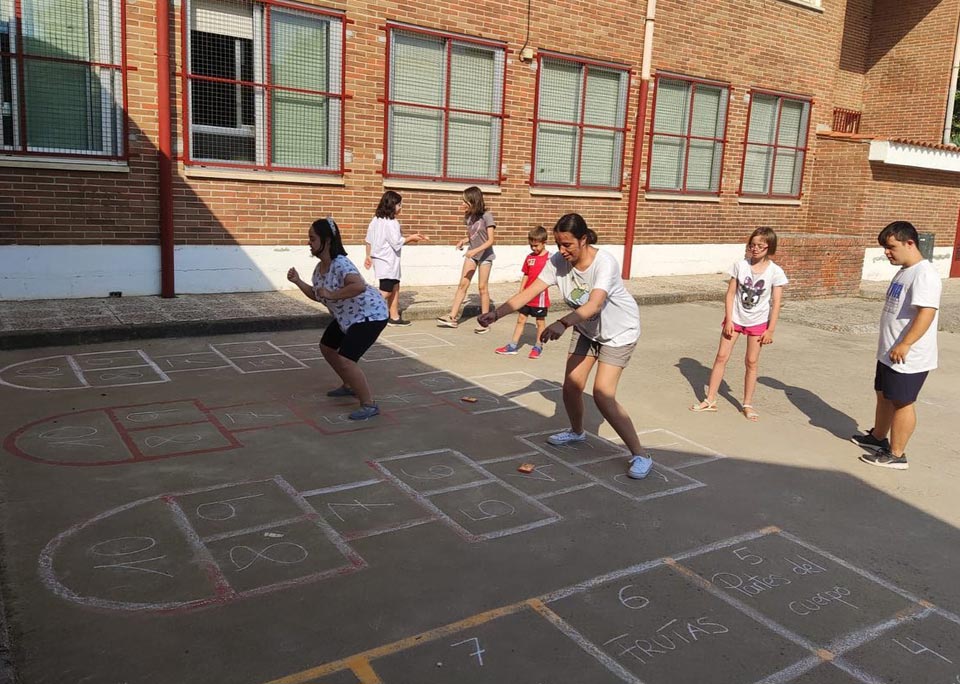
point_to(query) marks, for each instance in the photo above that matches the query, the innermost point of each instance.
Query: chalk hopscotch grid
(831, 654)
(423, 499)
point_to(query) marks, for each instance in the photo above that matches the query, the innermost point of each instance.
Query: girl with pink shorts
(751, 308)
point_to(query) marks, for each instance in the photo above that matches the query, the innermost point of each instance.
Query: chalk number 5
(743, 554)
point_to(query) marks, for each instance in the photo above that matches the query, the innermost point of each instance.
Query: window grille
(579, 123)
(776, 146)
(62, 75)
(264, 86)
(444, 107)
(846, 120)
(687, 136)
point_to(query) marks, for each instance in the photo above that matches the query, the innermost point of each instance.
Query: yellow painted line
(364, 671)
(688, 573)
(772, 529)
(824, 655)
(365, 657)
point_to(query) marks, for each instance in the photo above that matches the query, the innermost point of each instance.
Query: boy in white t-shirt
(906, 349)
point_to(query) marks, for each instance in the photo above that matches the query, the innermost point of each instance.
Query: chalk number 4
(743, 554)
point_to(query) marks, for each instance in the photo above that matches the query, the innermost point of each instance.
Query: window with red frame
(776, 146)
(444, 106)
(579, 123)
(62, 78)
(264, 86)
(687, 136)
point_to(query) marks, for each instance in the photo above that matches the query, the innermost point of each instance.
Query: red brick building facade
(739, 132)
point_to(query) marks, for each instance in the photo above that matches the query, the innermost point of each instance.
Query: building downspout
(951, 97)
(633, 197)
(164, 151)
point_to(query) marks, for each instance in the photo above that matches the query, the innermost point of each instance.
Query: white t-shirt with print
(751, 306)
(366, 306)
(914, 286)
(618, 323)
(386, 240)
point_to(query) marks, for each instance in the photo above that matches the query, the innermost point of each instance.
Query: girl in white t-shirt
(359, 313)
(384, 241)
(606, 327)
(752, 306)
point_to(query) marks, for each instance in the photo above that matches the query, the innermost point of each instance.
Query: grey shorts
(580, 345)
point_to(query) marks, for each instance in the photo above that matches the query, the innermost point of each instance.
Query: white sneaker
(640, 467)
(566, 437)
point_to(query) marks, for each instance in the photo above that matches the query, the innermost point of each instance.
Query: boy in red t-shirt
(537, 307)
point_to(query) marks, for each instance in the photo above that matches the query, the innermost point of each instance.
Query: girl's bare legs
(575, 380)
(751, 363)
(483, 283)
(349, 372)
(605, 396)
(466, 275)
(393, 301)
(720, 366)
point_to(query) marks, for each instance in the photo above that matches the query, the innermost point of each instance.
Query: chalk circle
(39, 372)
(434, 472)
(295, 554)
(68, 432)
(140, 545)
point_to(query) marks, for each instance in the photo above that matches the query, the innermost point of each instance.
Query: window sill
(440, 186)
(786, 202)
(262, 176)
(576, 192)
(676, 197)
(806, 5)
(64, 164)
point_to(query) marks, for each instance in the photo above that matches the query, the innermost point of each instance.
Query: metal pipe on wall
(635, 165)
(164, 151)
(952, 92)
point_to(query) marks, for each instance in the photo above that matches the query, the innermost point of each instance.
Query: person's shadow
(818, 412)
(698, 376)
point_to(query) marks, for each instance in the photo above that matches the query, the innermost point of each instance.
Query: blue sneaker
(365, 411)
(640, 467)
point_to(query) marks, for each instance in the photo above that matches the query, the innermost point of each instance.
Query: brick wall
(751, 43)
(908, 68)
(820, 265)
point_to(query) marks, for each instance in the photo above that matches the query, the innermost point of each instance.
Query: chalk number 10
(743, 554)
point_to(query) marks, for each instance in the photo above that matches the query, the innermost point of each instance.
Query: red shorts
(748, 330)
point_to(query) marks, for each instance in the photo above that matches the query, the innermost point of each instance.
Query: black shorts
(535, 311)
(356, 341)
(900, 388)
(387, 284)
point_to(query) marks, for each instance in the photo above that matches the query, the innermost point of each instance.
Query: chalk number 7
(746, 556)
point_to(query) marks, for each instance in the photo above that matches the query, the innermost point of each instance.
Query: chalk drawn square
(515, 383)
(157, 415)
(549, 475)
(179, 439)
(267, 363)
(53, 372)
(83, 438)
(828, 674)
(194, 361)
(234, 509)
(438, 381)
(522, 647)
(303, 352)
(433, 471)
(665, 629)
(333, 417)
(121, 358)
(661, 481)
(492, 510)
(260, 560)
(239, 350)
(259, 415)
(486, 401)
(141, 375)
(399, 398)
(416, 341)
(592, 449)
(810, 594)
(674, 450)
(916, 650)
(133, 557)
(366, 511)
(384, 352)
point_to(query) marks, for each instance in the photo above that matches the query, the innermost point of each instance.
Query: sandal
(750, 414)
(705, 407)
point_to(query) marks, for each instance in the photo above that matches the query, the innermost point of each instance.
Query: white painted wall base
(72, 271)
(876, 266)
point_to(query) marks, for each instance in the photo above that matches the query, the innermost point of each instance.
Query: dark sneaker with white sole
(868, 441)
(885, 459)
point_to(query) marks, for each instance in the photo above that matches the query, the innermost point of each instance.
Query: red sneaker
(535, 353)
